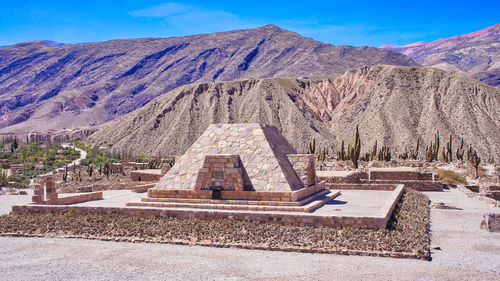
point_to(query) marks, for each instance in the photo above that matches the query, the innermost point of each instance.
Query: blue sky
(357, 23)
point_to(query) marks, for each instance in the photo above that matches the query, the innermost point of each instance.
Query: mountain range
(44, 87)
(392, 105)
(157, 95)
(476, 54)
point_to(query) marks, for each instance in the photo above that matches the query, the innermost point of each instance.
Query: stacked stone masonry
(240, 162)
(421, 181)
(46, 193)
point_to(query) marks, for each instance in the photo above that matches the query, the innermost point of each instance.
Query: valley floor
(467, 253)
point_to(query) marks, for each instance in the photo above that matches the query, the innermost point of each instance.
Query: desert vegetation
(27, 159)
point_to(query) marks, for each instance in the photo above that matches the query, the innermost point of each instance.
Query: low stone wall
(270, 217)
(146, 175)
(143, 187)
(356, 186)
(355, 177)
(374, 175)
(417, 185)
(84, 197)
(420, 181)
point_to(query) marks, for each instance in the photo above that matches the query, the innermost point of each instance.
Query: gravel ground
(467, 253)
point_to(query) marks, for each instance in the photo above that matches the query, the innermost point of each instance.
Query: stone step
(319, 200)
(238, 202)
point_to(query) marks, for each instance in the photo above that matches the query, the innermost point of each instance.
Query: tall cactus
(91, 170)
(414, 153)
(65, 174)
(432, 150)
(384, 154)
(476, 160)
(374, 151)
(312, 146)
(404, 155)
(449, 151)
(460, 151)
(470, 153)
(355, 149)
(341, 155)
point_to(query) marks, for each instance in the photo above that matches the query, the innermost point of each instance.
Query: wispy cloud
(163, 10)
(193, 19)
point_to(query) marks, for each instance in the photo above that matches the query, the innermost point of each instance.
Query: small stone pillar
(50, 189)
(39, 194)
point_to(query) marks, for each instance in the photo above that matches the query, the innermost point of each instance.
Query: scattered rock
(441, 205)
(491, 222)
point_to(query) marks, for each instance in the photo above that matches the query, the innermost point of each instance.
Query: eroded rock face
(52, 87)
(393, 105)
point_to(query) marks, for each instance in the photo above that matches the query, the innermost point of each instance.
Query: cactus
(355, 149)
(384, 154)
(404, 155)
(374, 151)
(414, 153)
(432, 150)
(449, 151)
(476, 160)
(341, 155)
(312, 146)
(323, 155)
(65, 174)
(460, 151)
(470, 153)
(91, 170)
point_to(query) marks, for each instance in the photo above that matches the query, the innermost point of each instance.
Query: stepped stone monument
(240, 162)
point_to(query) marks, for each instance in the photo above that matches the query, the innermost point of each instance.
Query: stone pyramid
(257, 157)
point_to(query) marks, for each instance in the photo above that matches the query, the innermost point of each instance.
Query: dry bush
(451, 177)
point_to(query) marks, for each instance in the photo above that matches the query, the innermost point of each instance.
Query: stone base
(308, 204)
(236, 195)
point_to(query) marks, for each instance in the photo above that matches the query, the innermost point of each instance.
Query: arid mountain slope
(44, 87)
(394, 105)
(476, 54)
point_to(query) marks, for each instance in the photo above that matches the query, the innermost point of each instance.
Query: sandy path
(468, 253)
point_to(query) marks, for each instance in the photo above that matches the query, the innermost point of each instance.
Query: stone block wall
(78, 198)
(237, 195)
(221, 171)
(399, 175)
(146, 175)
(304, 166)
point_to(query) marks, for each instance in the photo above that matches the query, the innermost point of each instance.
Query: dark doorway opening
(216, 194)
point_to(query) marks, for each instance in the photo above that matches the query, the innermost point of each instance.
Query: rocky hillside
(44, 85)
(477, 54)
(394, 105)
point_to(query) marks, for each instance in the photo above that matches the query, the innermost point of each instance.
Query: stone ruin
(239, 162)
(45, 193)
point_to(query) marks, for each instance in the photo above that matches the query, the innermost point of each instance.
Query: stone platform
(362, 209)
